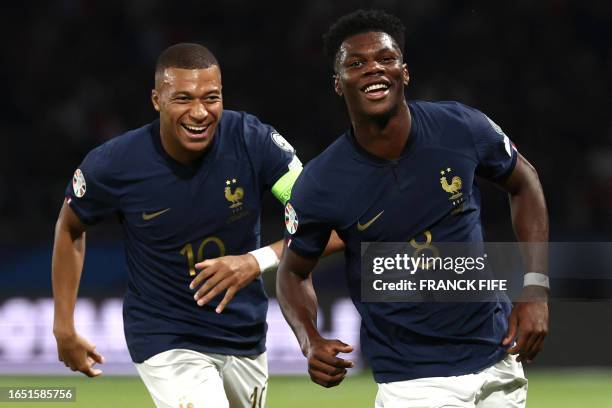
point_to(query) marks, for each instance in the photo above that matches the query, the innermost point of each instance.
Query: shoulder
(243, 127)
(335, 156)
(320, 175)
(240, 121)
(450, 123)
(447, 111)
(120, 151)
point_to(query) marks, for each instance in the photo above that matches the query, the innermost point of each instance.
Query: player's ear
(155, 99)
(405, 74)
(337, 85)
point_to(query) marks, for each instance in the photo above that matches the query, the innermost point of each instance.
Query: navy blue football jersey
(174, 216)
(428, 194)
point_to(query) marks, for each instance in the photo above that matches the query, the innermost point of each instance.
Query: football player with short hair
(187, 190)
(403, 171)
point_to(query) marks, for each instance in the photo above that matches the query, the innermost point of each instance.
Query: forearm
(66, 267)
(530, 223)
(298, 301)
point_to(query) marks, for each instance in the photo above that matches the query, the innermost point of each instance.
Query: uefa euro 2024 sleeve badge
(78, 183)
(291, 219)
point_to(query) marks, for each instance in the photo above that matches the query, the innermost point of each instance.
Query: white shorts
(188, 379)
(501, 386)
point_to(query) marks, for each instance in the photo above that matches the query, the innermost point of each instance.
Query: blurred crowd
(78, 72)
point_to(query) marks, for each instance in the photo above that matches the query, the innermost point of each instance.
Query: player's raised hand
(229, 273)
(528, 321)
(79, 354)
(324, 365)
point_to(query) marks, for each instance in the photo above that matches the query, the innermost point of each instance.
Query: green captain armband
(282, 188)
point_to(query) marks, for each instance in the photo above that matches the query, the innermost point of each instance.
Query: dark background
(76, 73)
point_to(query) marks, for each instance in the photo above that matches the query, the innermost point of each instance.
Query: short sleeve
(90, 193)
(271, 154)
(497, 154)
(307, 229)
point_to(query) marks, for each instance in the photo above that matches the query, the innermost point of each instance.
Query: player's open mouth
(195, 131)
(376, 91)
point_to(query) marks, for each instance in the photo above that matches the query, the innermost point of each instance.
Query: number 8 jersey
(176, 215)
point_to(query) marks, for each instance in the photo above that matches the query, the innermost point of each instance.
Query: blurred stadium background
(78, 72)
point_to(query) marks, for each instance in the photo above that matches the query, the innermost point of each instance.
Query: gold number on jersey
(425, 246)
(187, 251)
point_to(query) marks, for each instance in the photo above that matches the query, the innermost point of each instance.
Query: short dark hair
(185, 55)
(362, 21)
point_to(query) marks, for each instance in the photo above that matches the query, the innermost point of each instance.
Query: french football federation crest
(79, 186)
(291, 219)
(454, 189)
(234, 197)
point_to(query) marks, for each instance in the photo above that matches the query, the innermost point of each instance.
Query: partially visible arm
(529, 213)
(233, 272)
(529, 318)
(66, 267)
(335, 244)
(298, 303)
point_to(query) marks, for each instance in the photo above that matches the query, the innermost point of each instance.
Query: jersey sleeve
(90, 193)
(496, 153)
(274, 158)
(307, 227)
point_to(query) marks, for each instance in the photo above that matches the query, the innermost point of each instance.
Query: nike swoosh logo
(363, 227)
(148, 217)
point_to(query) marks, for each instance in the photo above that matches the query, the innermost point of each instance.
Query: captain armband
(282, 188)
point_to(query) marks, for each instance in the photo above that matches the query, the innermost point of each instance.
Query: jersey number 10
(187, 251)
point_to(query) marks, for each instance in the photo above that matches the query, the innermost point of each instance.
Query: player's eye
(355, 64)
(388, 60)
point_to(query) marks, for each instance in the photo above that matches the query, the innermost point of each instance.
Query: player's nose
(198, 111)
(374, 67)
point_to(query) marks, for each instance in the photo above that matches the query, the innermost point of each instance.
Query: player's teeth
(195, 129)
(375, 87)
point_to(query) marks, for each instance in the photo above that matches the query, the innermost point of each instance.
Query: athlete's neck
(384, 137)
(177, 152)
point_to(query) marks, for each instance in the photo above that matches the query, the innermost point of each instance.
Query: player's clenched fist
(324, 367)
(79, 354)
(529, 322)
(230, 273)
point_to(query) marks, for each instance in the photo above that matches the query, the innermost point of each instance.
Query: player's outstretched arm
(298, 303)
(529, 317)
(232, 273)
(76, 352)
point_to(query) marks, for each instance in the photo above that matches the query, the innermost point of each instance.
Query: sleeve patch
(507, 145)
(496, 127)
(79, 186)
(281, 142)
(291, 219)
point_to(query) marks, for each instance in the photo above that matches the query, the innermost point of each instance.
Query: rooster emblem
(235, 196)
(455, 185)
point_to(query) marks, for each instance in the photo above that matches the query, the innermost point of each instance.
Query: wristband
(266, 258)
(536, 279)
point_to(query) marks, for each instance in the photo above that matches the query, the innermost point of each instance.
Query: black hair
(362, 21)
(185, 55)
